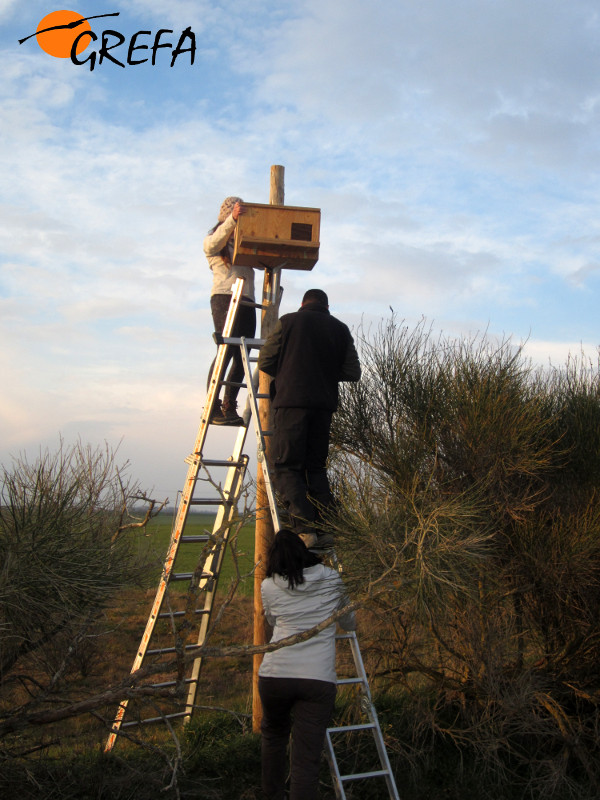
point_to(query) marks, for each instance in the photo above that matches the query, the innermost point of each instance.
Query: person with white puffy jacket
(297, 683)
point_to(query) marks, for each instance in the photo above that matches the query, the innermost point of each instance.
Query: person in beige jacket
(218, 248)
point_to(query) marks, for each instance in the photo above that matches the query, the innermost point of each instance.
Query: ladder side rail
(150, 624)
(383, 754)
(261, 455)
(231, 492)
(359, 663)
(184, 503)
(372, 714)
(369, 708)
(226, 511)
(167, 571)
(338, 784)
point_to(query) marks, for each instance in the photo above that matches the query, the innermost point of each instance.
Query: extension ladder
(180, 614)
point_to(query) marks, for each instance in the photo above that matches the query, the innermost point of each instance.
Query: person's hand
(237, 210)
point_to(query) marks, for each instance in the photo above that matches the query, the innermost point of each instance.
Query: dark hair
(315, 296)
(288, 557)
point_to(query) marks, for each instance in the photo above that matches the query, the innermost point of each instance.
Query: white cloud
(449, 148)
(183, 13)
(6, 6)
(557, 354)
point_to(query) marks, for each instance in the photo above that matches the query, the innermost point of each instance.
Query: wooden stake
(264, 526)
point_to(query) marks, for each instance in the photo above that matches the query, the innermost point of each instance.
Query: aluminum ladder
(371, 723)
(360, 679)
(183, 614)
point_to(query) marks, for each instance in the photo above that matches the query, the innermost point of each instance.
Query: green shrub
(470, 514)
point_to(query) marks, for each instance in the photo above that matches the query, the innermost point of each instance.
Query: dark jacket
(308, 353)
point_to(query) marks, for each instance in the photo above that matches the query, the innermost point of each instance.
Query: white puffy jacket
(292, 611)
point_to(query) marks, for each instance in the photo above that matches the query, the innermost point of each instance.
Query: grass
(158, 534)
(225, 682)
(220, 755)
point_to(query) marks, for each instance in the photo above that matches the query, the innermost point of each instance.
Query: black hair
(288, 557)
(315, 296)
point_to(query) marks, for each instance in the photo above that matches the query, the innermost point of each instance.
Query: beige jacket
(224, 273)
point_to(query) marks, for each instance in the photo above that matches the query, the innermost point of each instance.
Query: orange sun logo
(59, 29)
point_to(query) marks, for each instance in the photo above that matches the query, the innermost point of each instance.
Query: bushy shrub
(468, 485)
(64, 551)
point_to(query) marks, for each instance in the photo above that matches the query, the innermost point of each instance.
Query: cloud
(395, 75)
(449, 148)
(6, 6)
(558, 354)
(196, 14)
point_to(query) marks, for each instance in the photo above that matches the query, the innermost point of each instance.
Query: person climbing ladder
(218, 247)
(308, 353)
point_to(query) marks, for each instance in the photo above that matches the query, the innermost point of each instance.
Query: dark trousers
(304, 708)
(245, 325)
(299, 448)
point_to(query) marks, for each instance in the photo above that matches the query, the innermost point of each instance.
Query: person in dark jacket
(308, 353)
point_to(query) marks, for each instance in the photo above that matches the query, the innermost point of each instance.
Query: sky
(452, 147)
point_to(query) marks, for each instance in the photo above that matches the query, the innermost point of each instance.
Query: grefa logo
(67, 34)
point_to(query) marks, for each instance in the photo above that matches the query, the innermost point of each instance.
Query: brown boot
(216, 417)
(229, 415)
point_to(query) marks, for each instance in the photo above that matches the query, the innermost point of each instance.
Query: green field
(156, 541)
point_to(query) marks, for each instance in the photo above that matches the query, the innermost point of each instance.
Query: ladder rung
(378, 773)
(345, 728)
(187, 576)
(216, 462)
(195, 539)
(244, 302)
(236, 341)
(167, 684)
(169, 614)
(210, 501)
(150, 720)
(348, 681)
(169, 651)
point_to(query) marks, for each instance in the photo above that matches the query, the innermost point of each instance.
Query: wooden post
(264, 524)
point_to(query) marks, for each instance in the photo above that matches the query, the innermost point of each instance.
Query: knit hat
(227, 207)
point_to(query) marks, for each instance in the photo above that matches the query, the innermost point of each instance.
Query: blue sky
(453, 148)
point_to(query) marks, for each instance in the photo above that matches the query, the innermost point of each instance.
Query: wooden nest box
(269, 236)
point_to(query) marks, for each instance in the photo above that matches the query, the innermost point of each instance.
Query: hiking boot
(216, 417)
(228, 415)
